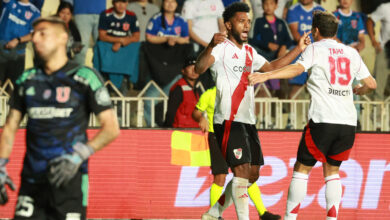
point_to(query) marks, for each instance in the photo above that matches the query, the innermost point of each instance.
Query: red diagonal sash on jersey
(237, 97)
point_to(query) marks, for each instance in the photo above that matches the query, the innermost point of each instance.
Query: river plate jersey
(58, 107)
(333, 68)
(230, 71)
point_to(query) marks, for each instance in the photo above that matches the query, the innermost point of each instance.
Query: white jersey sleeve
(217, 52)
(187, 11)
(379, 13)
(306, 57)
(258, 60)
(361, 70)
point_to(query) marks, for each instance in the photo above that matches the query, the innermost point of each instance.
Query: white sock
(333, 193)
(223, 203)
(296, 194)
(240, 197)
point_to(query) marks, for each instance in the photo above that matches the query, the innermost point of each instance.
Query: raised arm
(304, 41)
(205, 59)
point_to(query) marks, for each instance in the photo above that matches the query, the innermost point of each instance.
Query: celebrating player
(58, 97)
(218, 165)
(231, 60)
(330, 133)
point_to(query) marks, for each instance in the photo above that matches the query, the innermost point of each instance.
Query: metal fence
(272, 113)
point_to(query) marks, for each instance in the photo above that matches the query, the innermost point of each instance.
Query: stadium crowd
(137, 41)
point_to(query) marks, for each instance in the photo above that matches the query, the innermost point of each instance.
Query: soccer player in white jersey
(330, 133)
(231, 60)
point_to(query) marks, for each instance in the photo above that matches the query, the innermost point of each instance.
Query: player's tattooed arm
(205, 59)
(8, 135)
(108, 132)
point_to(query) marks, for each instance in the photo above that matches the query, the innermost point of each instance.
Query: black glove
(63, 168)
(4, 180)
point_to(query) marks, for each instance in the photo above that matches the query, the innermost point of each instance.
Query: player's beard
(237, 37)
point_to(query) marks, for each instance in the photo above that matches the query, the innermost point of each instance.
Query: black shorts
(218, 162)
(325, 142)
(42, 201)
(243, 145)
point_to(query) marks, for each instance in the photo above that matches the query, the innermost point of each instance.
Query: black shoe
(269, 216)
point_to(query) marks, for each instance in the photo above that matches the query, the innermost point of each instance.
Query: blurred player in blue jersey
(351, 27)
(299, 18)
(57, 96)
(16, 18)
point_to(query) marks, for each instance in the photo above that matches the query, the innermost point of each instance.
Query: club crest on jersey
(63, 94)
(178, 30)
(28, 15)
(126, 26)
(238, 153)
(213, 7)
(354, 24)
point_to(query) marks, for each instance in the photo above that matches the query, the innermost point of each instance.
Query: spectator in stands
(87, 21)
(144, 11)
(351, 27)
(382, 61)
(167, 27)
(183, 97)
(167, 45)
(258, 12)
(271, 38)
(204, 19)
(118, 28)
(350, 32)
(15, 31)
(270, 34)
(299, 18)
(65, 12)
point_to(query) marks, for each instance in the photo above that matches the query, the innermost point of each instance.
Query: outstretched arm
(304, 41)
(286, 72)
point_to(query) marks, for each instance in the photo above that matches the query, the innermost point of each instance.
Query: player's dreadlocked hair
(326, 23)
(232, 9)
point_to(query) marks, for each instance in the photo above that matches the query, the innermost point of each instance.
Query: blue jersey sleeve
(292, 17)
(152, 27)
(361, 24)
(134, 27)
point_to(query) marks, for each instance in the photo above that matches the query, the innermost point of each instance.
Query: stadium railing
(272, 113)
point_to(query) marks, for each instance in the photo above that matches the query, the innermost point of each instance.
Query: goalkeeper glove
(63, 168)
(4, 180)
